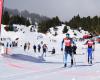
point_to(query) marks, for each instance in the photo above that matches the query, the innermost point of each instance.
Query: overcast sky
(65, 9)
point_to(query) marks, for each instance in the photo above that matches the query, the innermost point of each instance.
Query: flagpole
(1, 10)
(3, 7)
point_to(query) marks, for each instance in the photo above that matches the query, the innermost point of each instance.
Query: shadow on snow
(23, 57)
(26, 58)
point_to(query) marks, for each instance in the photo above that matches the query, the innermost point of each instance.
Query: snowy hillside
(24, 35)
(30, 34)
(28, 65)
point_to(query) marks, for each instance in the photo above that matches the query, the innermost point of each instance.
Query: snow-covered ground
(27, 65)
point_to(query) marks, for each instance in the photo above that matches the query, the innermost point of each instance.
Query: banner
(1, 6)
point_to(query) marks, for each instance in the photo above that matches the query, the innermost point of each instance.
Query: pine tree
(65, 30)
(5, 18)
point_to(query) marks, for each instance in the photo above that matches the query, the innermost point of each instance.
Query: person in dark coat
(34, 47)
(53, 51)
(44, 47)
(25, 46)
(39, 48)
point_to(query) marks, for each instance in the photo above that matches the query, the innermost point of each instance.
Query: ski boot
(71, 62)
(65, 65)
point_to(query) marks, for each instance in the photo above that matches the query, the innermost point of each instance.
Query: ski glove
(61, 49)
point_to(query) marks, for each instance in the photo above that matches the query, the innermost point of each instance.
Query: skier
(39, 48)
(34, 47)
(90, 44)
(28, 45)
(44, 47)
(53, 51)
(68, 49)
(10, 45)
(25, 46)
(7, 45)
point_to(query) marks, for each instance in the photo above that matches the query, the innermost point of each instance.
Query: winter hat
(67, 35)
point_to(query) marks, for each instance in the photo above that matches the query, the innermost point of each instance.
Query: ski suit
(44, 47)
(68, 50)
(90, 44)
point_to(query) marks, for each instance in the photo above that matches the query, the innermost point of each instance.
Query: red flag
(1, 4)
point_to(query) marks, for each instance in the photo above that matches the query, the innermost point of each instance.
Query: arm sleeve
(73, 42)
(62, 43)
(86, 43)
